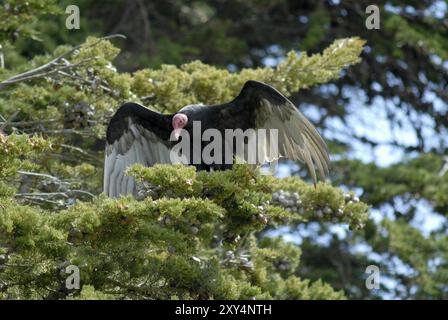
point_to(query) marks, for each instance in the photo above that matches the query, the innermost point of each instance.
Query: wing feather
(135, 135)
(262, 106)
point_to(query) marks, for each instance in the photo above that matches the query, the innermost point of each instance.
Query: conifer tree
(191, 234)
(52, 136)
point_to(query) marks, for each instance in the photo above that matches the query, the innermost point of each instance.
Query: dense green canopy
(209, 235)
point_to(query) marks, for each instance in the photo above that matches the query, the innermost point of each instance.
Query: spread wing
(260, 106)
(135, 135)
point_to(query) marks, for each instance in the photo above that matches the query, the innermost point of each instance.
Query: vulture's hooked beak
(179, 122)
(177, 132)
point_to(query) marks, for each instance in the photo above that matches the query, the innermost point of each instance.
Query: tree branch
(54, 65)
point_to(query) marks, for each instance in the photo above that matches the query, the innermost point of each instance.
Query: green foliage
(73, 108)
(154, 248)
(15, 153)
(417, 37)
(17, 17)
(51, 215)
(172, 87)
(319, 26)
(423, 255)
(189, 234)
(403, 187)
(244, 194)
(418, 178)
(403, 65)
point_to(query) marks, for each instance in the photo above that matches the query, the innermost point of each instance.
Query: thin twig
(67, 131)
(49, 68)
(82, 192)
(26, 123)
(42, 194)
(11, 118)
(76, 149)
(40, 200)
(89, 82)
(83, 152)
(44, 73)
(36, 174)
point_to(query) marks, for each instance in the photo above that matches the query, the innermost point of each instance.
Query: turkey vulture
(138, 135)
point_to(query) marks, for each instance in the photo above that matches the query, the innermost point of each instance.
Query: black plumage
(138, 135)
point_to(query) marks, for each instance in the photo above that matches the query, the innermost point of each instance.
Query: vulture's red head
(179, 122)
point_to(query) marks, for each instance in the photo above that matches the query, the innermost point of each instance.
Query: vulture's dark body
(138, 135)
